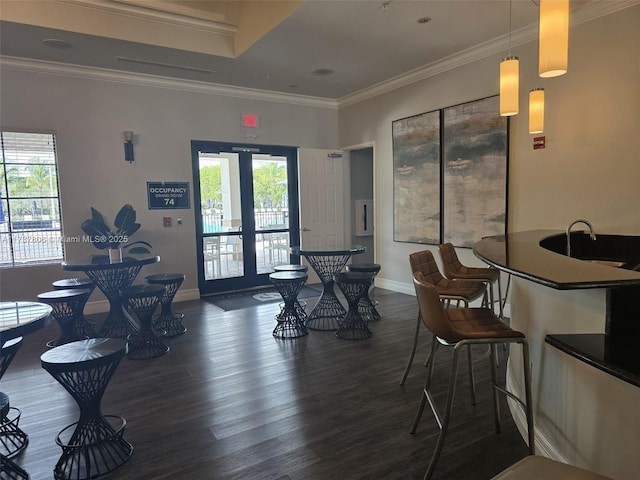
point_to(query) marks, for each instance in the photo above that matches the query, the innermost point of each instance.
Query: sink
(620, 251)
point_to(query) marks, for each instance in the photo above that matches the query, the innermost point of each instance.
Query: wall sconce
(536, 110)
(128, 146)
(553, 42)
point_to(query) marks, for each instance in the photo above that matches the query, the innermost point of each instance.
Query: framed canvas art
(475, 171)
(416, 178)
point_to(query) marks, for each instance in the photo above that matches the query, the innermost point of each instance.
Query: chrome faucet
(592, 234)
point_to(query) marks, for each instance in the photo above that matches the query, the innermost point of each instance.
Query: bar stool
(535, 467)
(353, 285)
(367, 306)
(457, 328)
(453, 269)
(94, 445)
(300, 304)
(67, 308)
(12, 438)
(461, 291)
(289, 324)
(82, 327)
(145, 343)
(168, 321)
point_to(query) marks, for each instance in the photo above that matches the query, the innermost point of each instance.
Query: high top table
(16, 320)
(326, 263)
(113, 279)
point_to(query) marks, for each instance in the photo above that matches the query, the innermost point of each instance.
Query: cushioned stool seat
(535, 467)
(367, 306)
(168, 321)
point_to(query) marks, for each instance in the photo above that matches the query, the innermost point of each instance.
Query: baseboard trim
(102, 306)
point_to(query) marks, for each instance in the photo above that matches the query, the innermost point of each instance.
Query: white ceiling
(365, 42)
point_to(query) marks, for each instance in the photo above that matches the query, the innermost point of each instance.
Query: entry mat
(252, 298)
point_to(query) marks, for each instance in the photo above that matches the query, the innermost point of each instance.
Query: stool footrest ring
(93, 449)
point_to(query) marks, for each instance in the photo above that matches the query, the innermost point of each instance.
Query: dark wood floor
(229, 401)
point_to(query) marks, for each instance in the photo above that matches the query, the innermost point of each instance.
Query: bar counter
(581, 317)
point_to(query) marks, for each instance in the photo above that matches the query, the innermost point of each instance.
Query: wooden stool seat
(291, 268)
(82, 283)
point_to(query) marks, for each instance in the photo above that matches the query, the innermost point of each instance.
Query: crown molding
(524, 35)
(106, 75)
(154, 11)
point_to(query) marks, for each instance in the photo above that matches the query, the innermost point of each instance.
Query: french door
(247, 214)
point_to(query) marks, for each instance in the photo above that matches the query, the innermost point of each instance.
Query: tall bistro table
(18, 319)
(328, 311)
(113, 279)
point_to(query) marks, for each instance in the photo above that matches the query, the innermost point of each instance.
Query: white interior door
(324, 181)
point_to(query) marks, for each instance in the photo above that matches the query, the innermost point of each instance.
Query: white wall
(89, 117)
(591, 166)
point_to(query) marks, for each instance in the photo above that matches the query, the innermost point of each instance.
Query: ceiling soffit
(222, 28)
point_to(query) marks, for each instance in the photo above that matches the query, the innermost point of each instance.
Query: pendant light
(553, 41)
(536, 110)
(509, 80)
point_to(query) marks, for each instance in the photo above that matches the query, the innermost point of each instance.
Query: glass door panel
(270, 211)
(221, 215)
(246, 212)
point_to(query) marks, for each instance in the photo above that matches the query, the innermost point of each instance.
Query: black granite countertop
(520, 254)
(617, 357)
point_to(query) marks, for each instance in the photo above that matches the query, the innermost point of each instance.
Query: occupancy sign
(168, 195)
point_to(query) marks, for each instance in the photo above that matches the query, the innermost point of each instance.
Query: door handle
(305, 229)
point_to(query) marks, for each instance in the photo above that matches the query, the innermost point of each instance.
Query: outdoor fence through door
(246, 212)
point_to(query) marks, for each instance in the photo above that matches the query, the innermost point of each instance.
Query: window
(30, 227)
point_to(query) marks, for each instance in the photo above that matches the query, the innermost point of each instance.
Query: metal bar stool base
(168, 322)
(353, 285)
(108, 451)
(289, 321)
(12, 438)
(9, 470)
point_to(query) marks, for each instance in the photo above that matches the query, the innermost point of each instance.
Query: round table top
(21, 318)
(325, 251)
(84, 350)
(101, 262)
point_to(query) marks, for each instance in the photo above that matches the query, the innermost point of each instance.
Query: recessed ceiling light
(424, 19)
(56, 43)
(322, 71)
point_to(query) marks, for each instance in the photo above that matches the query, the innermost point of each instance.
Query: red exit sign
(249, 120)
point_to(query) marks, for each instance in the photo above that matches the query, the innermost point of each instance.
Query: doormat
(253, 298)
